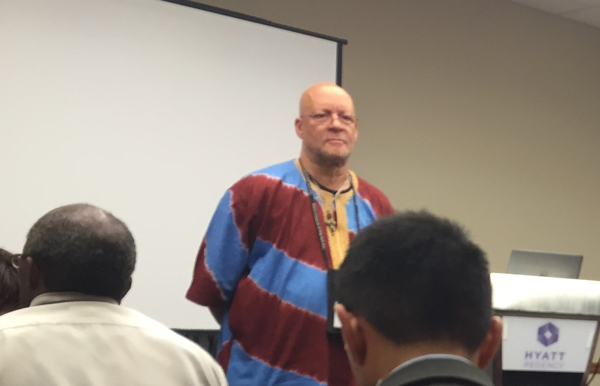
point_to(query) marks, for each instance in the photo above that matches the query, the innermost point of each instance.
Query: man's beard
(328, 160)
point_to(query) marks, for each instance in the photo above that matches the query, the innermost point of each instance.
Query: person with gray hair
(75, 269)
(273, 246)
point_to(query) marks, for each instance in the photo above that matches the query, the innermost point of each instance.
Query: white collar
(61, 297)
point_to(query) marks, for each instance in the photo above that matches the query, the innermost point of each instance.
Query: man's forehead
(327, 97)
(329, 92)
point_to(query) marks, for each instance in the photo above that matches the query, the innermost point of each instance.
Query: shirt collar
(425, 357)
(61, 297)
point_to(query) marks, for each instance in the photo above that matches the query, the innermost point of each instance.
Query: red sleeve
(380, 203)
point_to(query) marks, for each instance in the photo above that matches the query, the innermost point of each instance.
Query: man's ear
(490, 343)
(33, 275)
(31, 281)
(354, 336)
(298, 126)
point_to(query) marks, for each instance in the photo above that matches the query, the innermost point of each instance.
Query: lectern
(550, 329)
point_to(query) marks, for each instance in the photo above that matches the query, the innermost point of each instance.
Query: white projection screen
(149, 109)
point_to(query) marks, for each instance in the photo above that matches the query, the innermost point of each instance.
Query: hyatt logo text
(544, 359)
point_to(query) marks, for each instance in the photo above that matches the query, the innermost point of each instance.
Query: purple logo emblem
(547, 334)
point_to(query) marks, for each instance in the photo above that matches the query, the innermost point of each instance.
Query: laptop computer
(538, 263)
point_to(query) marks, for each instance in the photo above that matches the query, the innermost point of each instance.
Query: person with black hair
(75, 269)
(9, 283)
(414, 301)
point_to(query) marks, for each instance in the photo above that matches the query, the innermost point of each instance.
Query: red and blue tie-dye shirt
(261, 255)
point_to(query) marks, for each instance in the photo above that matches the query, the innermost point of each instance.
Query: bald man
(275, 242)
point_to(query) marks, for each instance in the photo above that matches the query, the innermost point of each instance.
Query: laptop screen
(551, 264)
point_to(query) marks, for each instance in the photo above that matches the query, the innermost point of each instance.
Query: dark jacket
(438, 372)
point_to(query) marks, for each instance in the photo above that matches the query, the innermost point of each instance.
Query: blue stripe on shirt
(244, 370)
(291, 280)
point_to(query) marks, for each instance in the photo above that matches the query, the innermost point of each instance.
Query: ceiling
(583, 11)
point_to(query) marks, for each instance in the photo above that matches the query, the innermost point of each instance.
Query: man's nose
(335, 122)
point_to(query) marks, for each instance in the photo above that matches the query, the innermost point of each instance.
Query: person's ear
(33, 276)
(298, 126)
(487, 350)
(31, 281)
(354, 336)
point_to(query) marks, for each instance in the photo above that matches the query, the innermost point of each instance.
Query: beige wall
(481, 110)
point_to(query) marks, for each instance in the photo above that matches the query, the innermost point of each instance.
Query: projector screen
(151, 110)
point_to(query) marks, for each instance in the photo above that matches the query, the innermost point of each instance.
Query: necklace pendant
(331, 223)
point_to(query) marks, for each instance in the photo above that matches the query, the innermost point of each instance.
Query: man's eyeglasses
(15, 260)
(322, 118)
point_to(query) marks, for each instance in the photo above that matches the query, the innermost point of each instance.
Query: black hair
(9, 281)
(416, 277)
(82, 248)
